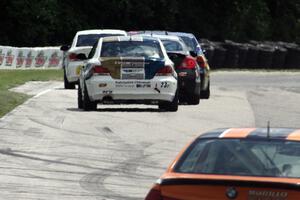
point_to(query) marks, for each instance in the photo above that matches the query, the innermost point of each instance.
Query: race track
(51, 150)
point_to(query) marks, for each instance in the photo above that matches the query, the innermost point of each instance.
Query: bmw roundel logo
(231, 193)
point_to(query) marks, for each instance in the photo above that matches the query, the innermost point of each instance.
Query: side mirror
(81, 56)
(65, 48)
(193, 53)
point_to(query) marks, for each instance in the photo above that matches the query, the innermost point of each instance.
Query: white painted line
(42, 93)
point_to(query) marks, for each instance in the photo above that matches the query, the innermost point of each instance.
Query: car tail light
(188, 63)
(73, 57)
(201, 61)
(100, 70)
(154, 194)
(165, 71)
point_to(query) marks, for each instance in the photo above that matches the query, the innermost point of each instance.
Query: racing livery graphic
(1, 57)
(20, 59)
(28, 60)
(9, 58)
(40, 59)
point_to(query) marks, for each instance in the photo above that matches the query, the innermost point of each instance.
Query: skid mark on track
(40, 122)
(95, 181)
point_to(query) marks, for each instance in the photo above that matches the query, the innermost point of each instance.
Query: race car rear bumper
(188, 82)
(104, 88)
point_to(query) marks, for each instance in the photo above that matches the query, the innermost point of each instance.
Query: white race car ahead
(128, 69)
(82, 43)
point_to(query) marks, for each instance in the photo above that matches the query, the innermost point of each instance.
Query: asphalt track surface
(51, 150)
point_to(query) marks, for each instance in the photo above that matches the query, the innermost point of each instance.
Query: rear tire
(67, 84)
(170, 106)
(87, 104)
(79, 99)
(193, 99)
(205, 94)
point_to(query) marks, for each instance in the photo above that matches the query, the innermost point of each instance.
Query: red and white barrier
(31, 58)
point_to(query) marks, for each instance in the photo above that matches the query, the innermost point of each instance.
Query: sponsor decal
(133, 84)
(132, 64)
(132, 69)
(267, 194)
(1, 57)
(143, 85)
(20, 58)
(54, 59)
(40, 59)
(29, 59)
(9, 58)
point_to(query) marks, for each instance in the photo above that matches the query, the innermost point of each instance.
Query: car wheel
(170, 106)
(79, 98)
(67, 84)
(87, 104)
(205, 94)
(193, 99)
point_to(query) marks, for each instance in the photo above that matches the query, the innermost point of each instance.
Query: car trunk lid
(177, 58)
(132, 68)
(196, 189)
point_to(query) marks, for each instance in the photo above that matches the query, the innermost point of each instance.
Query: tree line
(54, 22)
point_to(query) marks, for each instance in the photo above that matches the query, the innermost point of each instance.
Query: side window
(93, 51)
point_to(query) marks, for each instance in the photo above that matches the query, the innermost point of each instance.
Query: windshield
(171, 45)
(91, 39)
(147, 49)
(242, 157)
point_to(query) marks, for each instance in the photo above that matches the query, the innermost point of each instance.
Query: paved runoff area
(51, 150)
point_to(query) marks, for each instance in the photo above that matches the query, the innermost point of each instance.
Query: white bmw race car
(82, 43)
(128, 69)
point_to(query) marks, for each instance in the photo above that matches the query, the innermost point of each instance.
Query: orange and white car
(235, 163)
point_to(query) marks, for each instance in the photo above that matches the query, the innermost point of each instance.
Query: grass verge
(12, 78)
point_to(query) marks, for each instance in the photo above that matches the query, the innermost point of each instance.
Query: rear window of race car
(171, 45)
(147, 49)
(190, 42)
(91, 39)
(244, 157)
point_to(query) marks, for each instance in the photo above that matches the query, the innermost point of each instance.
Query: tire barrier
(219, 56)
(279, 57)
(232, 54)
(265, 56)
(293, 56)
(252, 55)
(242, 50)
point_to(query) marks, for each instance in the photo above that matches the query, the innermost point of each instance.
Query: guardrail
(30, 58)
(256, 55)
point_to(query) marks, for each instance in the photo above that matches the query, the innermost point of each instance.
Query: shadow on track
(119, 110)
